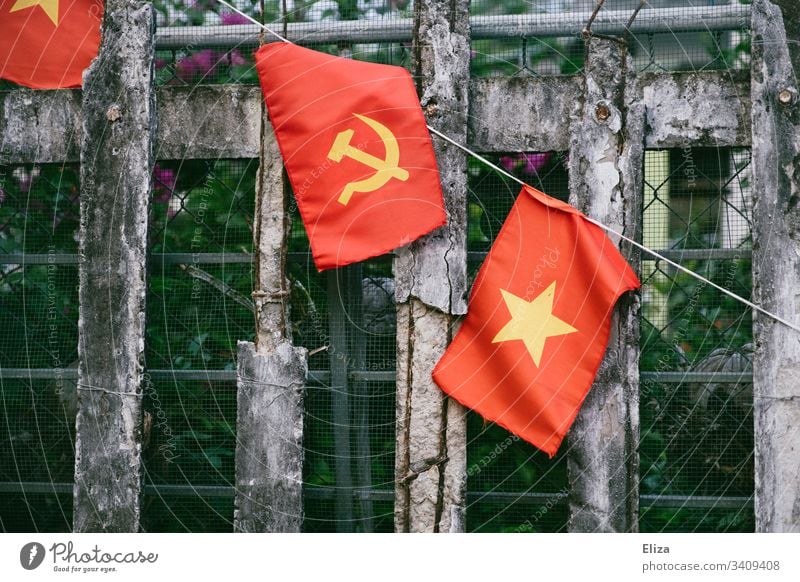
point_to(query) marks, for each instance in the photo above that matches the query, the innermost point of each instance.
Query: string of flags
(361, 163)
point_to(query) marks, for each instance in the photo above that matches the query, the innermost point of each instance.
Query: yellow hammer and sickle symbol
(385, 169)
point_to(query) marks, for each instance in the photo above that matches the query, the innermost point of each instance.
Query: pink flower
(508, 163)
(529, 164)
(164, 182)
(535, 162)
(236, 58)
(200, 64)
(233, 18)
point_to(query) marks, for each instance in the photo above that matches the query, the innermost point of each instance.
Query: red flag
(357, 151)
(46, 44)
(538, 322)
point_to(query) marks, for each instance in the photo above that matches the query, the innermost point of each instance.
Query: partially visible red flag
(46, 44)
(538, 321)
(356, 148)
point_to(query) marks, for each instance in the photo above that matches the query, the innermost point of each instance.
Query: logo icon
(385, 169)
(31, 555)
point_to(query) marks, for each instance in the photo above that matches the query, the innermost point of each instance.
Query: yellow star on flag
(50, 7)
(532, 321)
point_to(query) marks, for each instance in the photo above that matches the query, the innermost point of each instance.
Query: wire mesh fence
(207, 42)
(696, 430)
(696, 395)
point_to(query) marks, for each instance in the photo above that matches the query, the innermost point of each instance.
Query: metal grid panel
(542, 39)
(192, 58)
(697, 435)
(512, 486)
(38, 344)
(198, 307)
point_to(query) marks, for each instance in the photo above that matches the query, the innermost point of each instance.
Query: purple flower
(198, 65)
(164, 181)
(535, 162)
(236, 58)
(508, 163)
(233, 18)
(529, 164)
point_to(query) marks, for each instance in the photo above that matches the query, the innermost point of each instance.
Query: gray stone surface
(776, 264)
(431, 287)
(605, 173)
(119, 123)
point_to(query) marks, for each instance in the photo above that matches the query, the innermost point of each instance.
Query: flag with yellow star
(46, 44)
(538, 322)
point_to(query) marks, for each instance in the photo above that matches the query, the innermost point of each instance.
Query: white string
(627, 239)
(608, 229)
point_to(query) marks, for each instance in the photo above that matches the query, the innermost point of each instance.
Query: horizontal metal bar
(200, 258)
(324, 377)
(327, 493)
(241, 258)
(695, 502)
(39, 259)
(39, 373)
(187, 375)
(373, 375)
(34, 488)
(702, 254)
(698, 377)
(671, 254)
(612, 22)
(189, 490)
(157, 258)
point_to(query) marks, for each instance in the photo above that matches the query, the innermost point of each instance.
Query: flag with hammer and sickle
(357, 151)
(46, 44)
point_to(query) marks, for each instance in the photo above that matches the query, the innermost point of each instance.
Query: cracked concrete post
(431, 283)
(119, 125)
(271, 373)
(605, 175)
(776, 266)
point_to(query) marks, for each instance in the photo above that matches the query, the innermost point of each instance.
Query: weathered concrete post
(119, 124)
(431, 283)
(776, 267)
(605, 174)
(271, 372)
